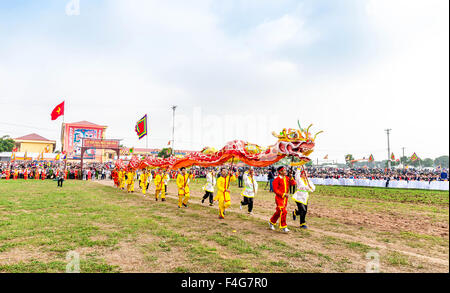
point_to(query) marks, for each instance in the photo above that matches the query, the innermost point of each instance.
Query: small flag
(131, 150)
(141, 127)
(168, 143)
(326, 157)
(13, 157)
(371, 159)
(57, 157)
(392, 157)
(64, 156)
(58, 111)
(25, 156)
(414, 157)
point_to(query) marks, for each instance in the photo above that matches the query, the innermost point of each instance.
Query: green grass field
(113, 231)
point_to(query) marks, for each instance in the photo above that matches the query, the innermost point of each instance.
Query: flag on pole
(414, 157)
(57, 157)
(58, 111)
(13, 156)
(392, 157)
(169, 142)
(371, 159)
(141, 127)
(326, 157)
(25, 156)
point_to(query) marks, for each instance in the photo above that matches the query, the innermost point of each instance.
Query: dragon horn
(317, 134)
(307, 129)
(299, 126)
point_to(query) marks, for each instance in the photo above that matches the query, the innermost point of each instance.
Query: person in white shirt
(250, 190)
(209, 186)
(304, 186)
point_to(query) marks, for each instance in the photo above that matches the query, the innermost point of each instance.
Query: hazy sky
(237, 69)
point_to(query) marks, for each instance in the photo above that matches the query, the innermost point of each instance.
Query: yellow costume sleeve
(180, 181)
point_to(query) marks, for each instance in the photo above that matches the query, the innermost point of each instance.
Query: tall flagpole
(173, 130)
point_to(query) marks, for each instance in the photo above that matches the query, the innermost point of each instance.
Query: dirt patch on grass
(24, 254)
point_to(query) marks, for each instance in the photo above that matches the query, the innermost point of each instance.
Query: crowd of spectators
(99, 171)
(102, 171)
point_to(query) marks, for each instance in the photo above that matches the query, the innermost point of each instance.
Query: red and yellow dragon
(298, 143)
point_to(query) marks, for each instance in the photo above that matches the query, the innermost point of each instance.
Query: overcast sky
(236, 69)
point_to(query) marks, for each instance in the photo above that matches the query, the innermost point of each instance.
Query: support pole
(389, 148)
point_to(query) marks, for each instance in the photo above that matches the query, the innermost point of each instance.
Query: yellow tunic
(223, 196)
(183, 188)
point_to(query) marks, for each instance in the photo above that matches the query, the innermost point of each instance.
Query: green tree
(442, 160)
(6, 143)
(165, 153)
(348, 159)
(427, 162)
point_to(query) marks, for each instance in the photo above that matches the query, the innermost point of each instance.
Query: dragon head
(296, 142)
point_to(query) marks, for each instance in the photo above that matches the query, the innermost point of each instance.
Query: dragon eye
(293, 135)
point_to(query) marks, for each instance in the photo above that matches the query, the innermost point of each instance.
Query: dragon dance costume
(209, 188)
(159, 185)
(223, 194)
(183, 189)
(130, 181)
(304, 185)
(281, 186)
(249, 192)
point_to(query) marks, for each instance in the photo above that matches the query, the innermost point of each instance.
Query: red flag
(58, 111)
(141, 127)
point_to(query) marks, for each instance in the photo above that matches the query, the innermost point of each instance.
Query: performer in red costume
(281, 186)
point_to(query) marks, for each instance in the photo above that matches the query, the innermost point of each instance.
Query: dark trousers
(240, 182)
(271, 185)
(292, 189)
(210, 195)
(301, 211)
(248, 201)
(60, 182)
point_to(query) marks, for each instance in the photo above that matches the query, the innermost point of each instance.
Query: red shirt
(281, 185)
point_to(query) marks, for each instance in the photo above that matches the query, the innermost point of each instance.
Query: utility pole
(173, 129)
(389, 148)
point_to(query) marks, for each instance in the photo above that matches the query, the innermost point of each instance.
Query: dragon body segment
(291, 142)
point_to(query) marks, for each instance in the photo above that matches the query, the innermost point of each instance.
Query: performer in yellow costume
(143, 181)
(183, 187)
(122, 180)
(159, 185)
(130, 181)
(223, 192)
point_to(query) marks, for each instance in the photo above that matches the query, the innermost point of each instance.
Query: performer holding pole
(223, 192)
(130, 181)
(281, 188)
(159, 184)
(183, 187)
(301, 197)
(143, 181)
(209, 186)
(251, 188)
